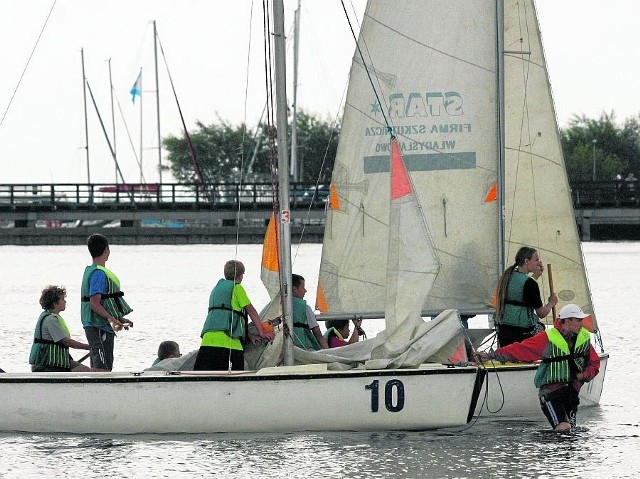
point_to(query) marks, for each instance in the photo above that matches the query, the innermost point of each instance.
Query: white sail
(412, 265)
(539, 209)
(438, 88)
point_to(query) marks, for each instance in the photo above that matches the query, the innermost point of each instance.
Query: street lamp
(594, 141)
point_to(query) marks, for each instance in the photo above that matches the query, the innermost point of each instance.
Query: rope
(366, 68)
(194, 160)
(24, 70)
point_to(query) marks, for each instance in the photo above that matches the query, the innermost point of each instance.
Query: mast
(284, 215)
(295, 172)
(86, 123)
(155, 56)
(141, 140)
(501, 134)
(113, 116)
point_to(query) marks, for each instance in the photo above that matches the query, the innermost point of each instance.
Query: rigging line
(271, 130)
(315, 192)
(192, 153)
(106, 137)
(364, 64)
(244, 132)
(334, 132)
(24, 70)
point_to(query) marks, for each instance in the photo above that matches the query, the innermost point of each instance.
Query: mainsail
(438, 89)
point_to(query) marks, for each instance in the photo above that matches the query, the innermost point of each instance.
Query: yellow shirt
(220, 339)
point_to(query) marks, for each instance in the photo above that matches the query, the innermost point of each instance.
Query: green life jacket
(221, 316)
(516, 312)
(47, 354)
(112, 300)
(560, 364)
(302, 336)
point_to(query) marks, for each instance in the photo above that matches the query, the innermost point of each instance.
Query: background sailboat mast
(155, 56)
(141, 116)
(86, 122)
(501, 135)
(295, 170)
(113, 118)
(284, 214)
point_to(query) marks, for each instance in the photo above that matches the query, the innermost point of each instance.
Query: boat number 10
(389, 388)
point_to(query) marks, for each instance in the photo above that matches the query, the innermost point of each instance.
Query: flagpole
(141, 147)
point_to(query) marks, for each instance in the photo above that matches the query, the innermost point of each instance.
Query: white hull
(125, 403)
(513, 394)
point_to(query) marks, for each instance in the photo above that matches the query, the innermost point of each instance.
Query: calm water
(168, 287)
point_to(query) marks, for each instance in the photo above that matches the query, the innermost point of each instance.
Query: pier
(226, 213)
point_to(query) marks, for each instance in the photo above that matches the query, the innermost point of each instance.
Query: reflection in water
(492, 448)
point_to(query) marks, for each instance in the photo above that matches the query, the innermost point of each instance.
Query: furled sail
(412, 266)
(269, 271)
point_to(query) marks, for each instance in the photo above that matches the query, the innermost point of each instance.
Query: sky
(214, 53)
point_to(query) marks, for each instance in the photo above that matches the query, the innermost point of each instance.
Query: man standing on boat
(225, 327)
(306, 331)
(103, 308)
(568, 361)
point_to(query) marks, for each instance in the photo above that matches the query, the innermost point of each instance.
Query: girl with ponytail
(518, 306)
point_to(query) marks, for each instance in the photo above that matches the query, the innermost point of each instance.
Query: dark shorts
(211, 358)
(101, 344)
(560, 405)
(514, 334)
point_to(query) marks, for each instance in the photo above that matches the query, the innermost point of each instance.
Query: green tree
(225, 153)
(616, 149)
(318, 144)
(222, 151)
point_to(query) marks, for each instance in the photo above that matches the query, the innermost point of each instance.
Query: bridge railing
(154, 195)
(605, 194)
(60, 196)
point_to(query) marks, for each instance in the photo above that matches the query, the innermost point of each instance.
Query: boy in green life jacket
(306, 331)
(51, 338)
(225, 327)
(103, 308)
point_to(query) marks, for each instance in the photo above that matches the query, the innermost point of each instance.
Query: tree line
(614, 149)
(229, 154)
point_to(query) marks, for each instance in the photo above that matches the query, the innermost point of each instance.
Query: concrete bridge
(32, 214)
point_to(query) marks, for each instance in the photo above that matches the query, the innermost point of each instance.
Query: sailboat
(399, 384)
(466, 89)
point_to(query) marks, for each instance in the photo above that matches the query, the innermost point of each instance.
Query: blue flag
(136, 89)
